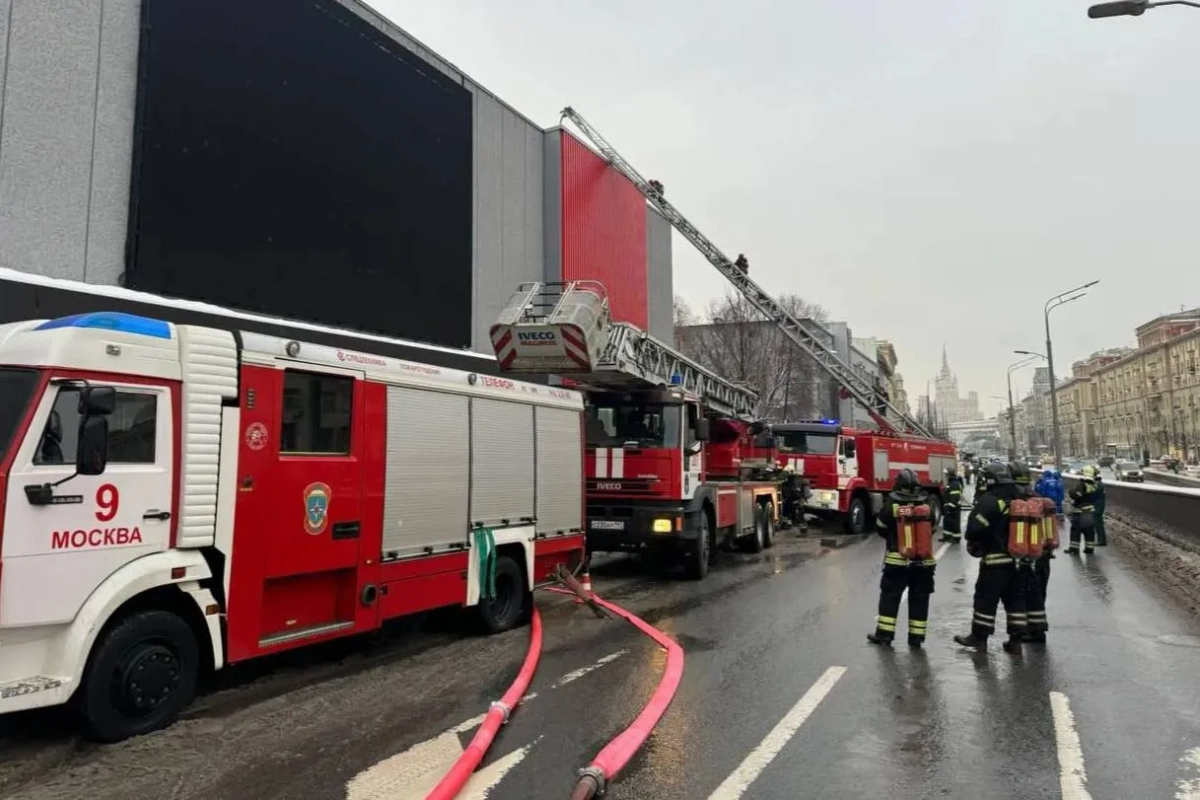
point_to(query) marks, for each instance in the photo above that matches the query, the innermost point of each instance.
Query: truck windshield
(641, 424)
(820, 444)
(16, 388)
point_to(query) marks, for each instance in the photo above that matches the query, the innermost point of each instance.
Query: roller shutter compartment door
(428, 459)
(502, 477)
(559, 471)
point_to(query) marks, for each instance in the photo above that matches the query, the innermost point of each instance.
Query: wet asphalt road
(757, 633)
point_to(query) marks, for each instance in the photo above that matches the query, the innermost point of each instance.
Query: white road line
(1072, 778)
(482, 782)
(579, 673)
(414, 772)
(941, 551)
(1189, 788)
(761, 756)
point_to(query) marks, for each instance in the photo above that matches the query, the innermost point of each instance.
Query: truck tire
(856, 516)
(141, 674)
(755, 542)
(696, 559)
(512, 601)
(768, 518)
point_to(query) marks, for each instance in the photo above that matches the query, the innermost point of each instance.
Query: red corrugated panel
(604, 231)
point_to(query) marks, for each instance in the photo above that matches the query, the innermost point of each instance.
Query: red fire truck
(849, 471)
(674, 463)
(175, 498)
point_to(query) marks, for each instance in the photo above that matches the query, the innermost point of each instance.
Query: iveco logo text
(608, 487)
(537, 338)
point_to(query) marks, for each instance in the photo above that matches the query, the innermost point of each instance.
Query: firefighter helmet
(906, 482)
(1089, 471)
(1020, 473)
(997, 473)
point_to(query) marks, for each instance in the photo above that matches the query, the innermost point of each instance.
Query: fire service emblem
(316, 508)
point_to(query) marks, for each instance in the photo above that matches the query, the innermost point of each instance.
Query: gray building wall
(660, 294)
(67, 103)
(67, 88)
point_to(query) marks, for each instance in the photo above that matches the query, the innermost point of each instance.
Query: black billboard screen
(291, 159)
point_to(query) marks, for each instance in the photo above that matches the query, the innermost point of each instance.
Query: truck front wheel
(696, 560)
(856, 516)
(141, 675)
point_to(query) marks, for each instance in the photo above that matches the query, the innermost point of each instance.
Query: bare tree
(684, 316)
(737, 343)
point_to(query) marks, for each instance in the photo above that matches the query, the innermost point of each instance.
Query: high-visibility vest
(1025, 528)
(914, 531)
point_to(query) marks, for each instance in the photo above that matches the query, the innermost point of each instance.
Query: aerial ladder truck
(851, 473)
(675, 465)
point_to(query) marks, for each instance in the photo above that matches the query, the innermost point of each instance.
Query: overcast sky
(929, 171)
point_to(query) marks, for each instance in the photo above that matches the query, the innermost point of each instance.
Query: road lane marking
(1189, 788)
(415, 771)
(1072, 778)
(941, 551)
(480, 785)
(579, 673)
(761, 756)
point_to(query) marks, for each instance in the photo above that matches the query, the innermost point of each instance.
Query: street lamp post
(1054, 302)
(1132, 8)
(1012, 414)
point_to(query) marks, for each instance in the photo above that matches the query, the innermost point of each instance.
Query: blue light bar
(676, 379)
(112, 321)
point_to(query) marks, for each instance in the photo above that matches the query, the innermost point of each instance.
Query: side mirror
(756, 428)
(694, 448)
(764, 440)
(91, 456)
(97, 401)
(702, 432)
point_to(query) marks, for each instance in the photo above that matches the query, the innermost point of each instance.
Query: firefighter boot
(1035, 637)
(916, 642)
(875, 637)
(1013, 643)
(972, 642)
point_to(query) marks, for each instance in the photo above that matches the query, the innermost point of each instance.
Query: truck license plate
(607, 525)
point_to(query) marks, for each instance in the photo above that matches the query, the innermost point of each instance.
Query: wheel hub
(150, 676)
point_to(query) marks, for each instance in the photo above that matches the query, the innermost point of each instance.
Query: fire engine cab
(674, 462)
(850, 471)
(176, 498)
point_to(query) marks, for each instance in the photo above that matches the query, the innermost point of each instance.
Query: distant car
(1075, 467)
(1129, 471)
(1107, 461)
(1193, 470)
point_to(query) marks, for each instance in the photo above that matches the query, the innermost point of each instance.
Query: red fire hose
(612, 759)
(497, 715)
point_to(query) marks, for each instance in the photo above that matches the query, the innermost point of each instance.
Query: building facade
(1150, 397)
(302, 160)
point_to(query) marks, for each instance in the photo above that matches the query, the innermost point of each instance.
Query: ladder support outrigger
(862, 390)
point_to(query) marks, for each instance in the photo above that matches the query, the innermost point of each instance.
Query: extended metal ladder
(564, 328)
(850, 380)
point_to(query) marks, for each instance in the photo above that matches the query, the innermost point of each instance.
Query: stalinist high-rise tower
(951, 408)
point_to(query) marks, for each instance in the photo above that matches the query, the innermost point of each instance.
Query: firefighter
(952, 512)
(1083, 512)
(1101, 531)
(1034, 573)
(901, 571)
(999, 581)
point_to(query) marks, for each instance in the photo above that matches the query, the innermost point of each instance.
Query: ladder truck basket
(552, 328)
